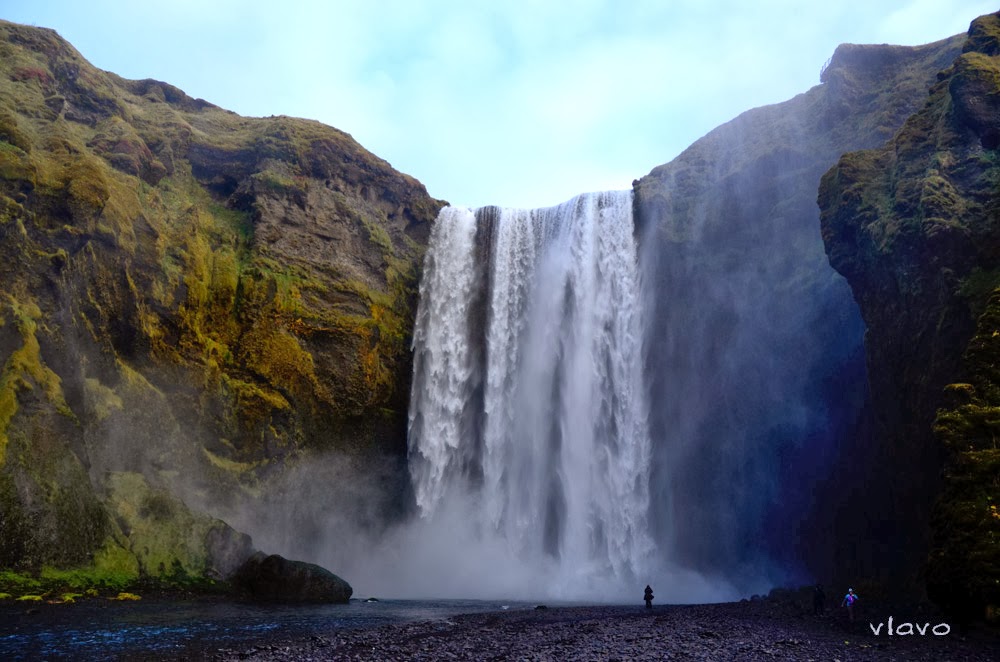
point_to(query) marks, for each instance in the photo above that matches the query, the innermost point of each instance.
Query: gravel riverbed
(733, 631)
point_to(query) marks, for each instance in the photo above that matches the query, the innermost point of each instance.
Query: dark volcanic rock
(276, 579)
(758, 383)
(747, 631)
(914, 226)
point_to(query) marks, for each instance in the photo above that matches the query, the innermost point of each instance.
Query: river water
(162, 629)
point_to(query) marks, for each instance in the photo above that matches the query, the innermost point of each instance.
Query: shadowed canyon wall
(914, 226)
(754, 347)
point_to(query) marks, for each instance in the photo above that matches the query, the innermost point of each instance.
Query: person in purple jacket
(849, 601)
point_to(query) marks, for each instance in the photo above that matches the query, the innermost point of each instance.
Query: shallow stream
(157, 628)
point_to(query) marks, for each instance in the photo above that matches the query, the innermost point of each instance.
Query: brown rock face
(188, 294)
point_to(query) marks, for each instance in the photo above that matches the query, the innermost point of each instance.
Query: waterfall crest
(528, 404)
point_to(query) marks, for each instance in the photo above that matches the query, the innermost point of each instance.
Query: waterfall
(528, 404)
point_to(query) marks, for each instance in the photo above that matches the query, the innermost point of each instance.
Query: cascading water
(528, 405)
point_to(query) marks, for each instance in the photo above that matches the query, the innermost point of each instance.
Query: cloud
(925, 21)
(518, 103)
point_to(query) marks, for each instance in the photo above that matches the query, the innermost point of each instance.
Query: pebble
(754, 630)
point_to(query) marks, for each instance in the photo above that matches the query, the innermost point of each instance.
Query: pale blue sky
(516, 103)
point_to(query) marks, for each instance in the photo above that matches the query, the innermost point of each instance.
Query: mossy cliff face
(963, 569)
(186, 294)
(755, 345)
(914, 228)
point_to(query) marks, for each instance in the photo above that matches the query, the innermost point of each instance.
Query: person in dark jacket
(648, 597)
(819, 600)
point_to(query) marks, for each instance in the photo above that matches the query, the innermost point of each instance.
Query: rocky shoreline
(758, 630)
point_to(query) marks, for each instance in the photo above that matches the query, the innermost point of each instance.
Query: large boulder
(277, 579)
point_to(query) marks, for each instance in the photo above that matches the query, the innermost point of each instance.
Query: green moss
(30, 598)
(202, 254)
(377, 235)
(113, 568)
(231, 466)
(79, 520)
(167, 540)
(252, 403)
(134, 380)
(265, 283)
(977, 66)
(940, 201)
(16, 582)
(977, 286)
(11, 133)
(224, 276)
(277, 182)
(123, 596)
(10, 211)
(15, 166)
(969, 427)
(8, 407)
(277, 356)
(383, 335)
(88, 188)
(984, 34)
(25, 370)
(963, 570)
(102, 401)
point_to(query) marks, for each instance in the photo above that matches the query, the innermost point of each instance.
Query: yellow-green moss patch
(101, 400)
(126, 596)
(25, 370)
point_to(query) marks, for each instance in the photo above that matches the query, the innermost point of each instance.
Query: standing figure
(648, 597)
(849, 601)
(819, 600)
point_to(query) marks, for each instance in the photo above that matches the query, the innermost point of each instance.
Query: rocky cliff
(190, 302)
(764, 455)
(195, 305)
(914, 227)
